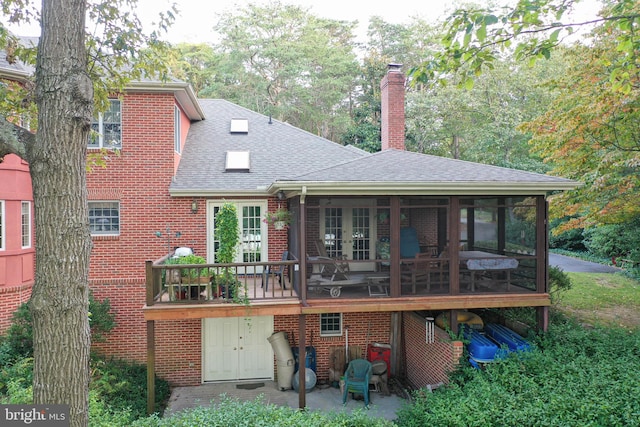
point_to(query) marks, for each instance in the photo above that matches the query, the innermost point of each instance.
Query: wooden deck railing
(219, 283)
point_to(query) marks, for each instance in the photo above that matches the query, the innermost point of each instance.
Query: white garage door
(236, 348)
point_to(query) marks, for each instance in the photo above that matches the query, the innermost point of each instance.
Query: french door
(253, 232)
(349, 230)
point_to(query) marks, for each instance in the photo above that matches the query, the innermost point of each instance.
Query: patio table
(480, 261)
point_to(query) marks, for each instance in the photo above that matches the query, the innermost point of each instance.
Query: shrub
(232, 412)
(559, 282)
(18, 340)
(615, 240)
(574, 377)
(123, 385)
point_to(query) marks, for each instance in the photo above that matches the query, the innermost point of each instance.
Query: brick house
(17, 245)
(478, 237)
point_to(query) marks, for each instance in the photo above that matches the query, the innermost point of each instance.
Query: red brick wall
(364, 328)
(179, 351)
(11, 297)
(139, 178)
(392, 110)
(428, 363)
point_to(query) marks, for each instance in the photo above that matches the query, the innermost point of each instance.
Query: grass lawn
(603, 299)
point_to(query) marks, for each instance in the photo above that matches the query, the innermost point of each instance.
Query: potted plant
(280, 218)
(188, 276)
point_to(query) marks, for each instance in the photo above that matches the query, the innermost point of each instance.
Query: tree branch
(14, 139)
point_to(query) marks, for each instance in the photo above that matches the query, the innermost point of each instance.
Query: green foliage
(559, 283)
(117, 395)
(122, 385)
(281, 60)
(189, 260)
(16, 378)
(475, 38)
(232, 412)
(615, 240)
(569, 240)
(18, 340)
(575, 377)
(227, 233)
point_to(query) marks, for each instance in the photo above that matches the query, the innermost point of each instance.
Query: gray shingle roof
(286, 157)
(406, 166)
(278, 151)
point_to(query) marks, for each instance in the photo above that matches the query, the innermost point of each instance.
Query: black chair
(276, 270)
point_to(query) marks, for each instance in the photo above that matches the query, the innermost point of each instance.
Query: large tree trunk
(59, 302)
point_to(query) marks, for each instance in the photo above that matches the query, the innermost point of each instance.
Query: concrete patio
(319, 399)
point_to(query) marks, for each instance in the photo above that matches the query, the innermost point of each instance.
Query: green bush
(123, 385)
(17, 342)
(570, 240)
(575, 377)
(232, 412)
(615, 240)
(559, 282)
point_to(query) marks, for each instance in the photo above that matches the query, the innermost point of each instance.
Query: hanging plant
(280, 215)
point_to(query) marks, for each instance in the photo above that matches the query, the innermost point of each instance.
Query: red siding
(17, 265)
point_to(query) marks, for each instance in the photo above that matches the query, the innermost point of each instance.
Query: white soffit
(238, 161)
(239, 126)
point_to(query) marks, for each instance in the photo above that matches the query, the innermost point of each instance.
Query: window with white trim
(104, 218)
(176, 130)
(106, 128)
(331, 324)
(2, 228)
(26, 224)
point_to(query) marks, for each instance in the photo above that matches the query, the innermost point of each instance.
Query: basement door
(236, 348)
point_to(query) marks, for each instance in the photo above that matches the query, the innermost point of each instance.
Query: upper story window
(107, 127)
(104, 218)
(176, 130)
(26, 225)
(2, 227)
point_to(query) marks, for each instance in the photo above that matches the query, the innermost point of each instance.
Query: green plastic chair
(356, 380)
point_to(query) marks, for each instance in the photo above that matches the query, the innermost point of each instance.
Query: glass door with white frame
(349, 231)
(253, 231)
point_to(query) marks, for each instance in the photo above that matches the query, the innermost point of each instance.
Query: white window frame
(2, 226)
(25, 224)
(96, 137)
(325, 332)
(177, 129)
(105, 232)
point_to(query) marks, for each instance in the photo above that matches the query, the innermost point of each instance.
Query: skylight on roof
(238, 161)
(239, 126)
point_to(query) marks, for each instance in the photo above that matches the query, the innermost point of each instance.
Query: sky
(197, 17)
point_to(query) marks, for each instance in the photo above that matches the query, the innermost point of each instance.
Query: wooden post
(302, 361)
(542, 317)
(151, 367)
(454, 245)
(396, 340)
(302, 232)
(395, 268)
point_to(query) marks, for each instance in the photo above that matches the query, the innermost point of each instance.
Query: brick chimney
(392, 94)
